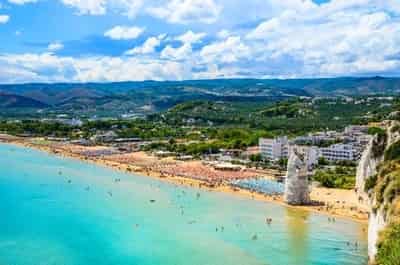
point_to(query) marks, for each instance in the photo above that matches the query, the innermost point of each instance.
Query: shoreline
(328, 210)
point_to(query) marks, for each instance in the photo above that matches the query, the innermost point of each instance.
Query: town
(332, 157)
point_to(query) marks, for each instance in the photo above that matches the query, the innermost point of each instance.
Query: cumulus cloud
(124, 33)
(4, 19)
(129, 8)
(148, 46)
(187, 11)
(21, 2)
(55, 46)
(229, 50)
(173, 11)
(273, 38)
(191, 37)
(91, 7)
(223, 34)
(35, 67)
(184, 52)
(336, 38)
(180, 53)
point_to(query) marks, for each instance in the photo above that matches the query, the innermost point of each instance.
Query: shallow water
(67, 212)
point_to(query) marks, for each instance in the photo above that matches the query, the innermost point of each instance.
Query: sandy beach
(333, 202)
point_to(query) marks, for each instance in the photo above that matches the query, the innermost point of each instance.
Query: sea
(62, 211)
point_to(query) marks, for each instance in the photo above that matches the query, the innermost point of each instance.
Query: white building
(340, 152)
(354, 130)
(274, 149)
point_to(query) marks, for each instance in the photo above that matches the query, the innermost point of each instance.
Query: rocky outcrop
(296, 184)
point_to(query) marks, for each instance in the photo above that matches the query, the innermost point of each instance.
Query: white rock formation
(366, 168)
(376, 224)
(296, 185)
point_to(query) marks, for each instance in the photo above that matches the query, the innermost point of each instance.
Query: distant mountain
(16, 101)
(152, 96)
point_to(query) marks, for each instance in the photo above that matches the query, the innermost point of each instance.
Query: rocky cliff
(367, 167)
(296, 184)
(376, 184)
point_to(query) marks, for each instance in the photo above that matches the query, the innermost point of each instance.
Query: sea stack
(296, 185)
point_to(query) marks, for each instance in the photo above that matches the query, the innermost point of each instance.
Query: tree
(256, 157)
(322, 161)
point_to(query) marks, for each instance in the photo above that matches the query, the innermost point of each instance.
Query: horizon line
(200, 80)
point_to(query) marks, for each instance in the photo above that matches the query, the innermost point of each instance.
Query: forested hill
(223, 87)
(153, 96)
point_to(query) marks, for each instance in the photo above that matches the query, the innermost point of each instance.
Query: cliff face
(372, 180)
(296, 185)
(376, 223)
(384, 221)
(367, 167)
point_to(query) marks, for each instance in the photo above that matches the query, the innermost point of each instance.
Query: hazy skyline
(121, 40)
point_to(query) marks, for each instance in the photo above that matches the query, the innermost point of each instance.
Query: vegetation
(339, 177)
(376, 131)
(380, 141)
(204, 126)
(389, 246)
(393, 152)
(386, 187)
(370, 183)
(35, 127)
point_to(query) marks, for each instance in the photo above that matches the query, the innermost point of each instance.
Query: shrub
(370, 183)
(340, 177)
(389, 246)
(376, 130)
(393, 152)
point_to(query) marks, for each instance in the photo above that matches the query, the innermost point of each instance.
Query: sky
(134, 40)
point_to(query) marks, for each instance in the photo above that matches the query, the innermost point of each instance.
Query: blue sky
(120, 40)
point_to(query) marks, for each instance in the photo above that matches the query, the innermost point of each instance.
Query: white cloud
(223, 34)
(181, 53)
(184, 52)
(34, 67)
(128, 8)
(187, 11)
(4, 19)
(148, 46)
(21, 2)
(124, 33)
(191, 37)
(90, 7)
(229, 50)
(273, 38)
(340, 37)
(55, 46)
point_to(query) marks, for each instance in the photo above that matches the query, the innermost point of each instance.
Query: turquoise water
(66, 212)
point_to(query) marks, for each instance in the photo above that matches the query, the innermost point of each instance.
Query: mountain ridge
(122, 97)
